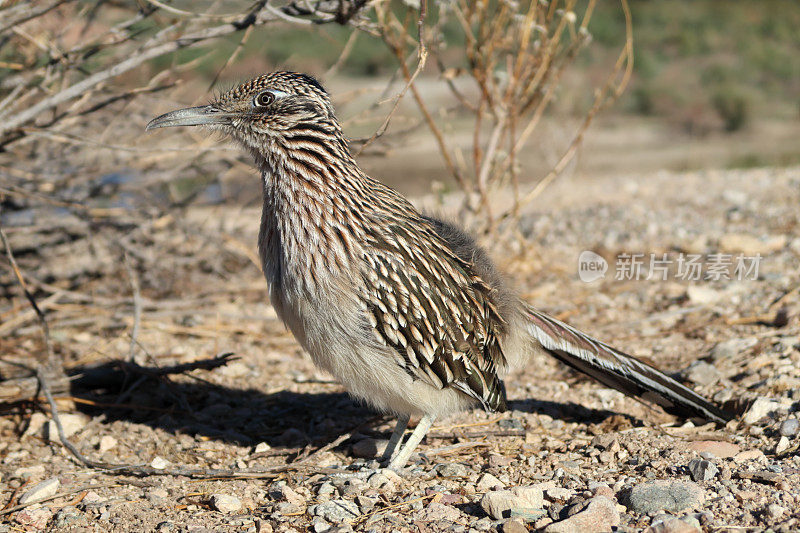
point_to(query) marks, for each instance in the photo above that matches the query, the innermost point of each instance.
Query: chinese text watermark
(664, 266)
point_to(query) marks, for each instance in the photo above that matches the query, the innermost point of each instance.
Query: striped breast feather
(618, 370)
(434, 313)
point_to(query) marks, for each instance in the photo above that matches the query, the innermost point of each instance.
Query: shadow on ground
(246, 416)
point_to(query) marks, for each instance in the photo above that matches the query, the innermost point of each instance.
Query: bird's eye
(264, 99)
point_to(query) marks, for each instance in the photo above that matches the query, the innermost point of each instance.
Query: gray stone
(70, 423)
(761, 408)
(437, 511)
(774, 512)
(453, 470)
(702, 470)
(337, 511)
(673, 525)
(369, 448)
(68, 517)
(488, 482)
(789, 427)
(514, 525)
(226, 503)
(702, 373)
(599, 514)
(500, 504)
(732, 347)
(40, 491)
(664, 495)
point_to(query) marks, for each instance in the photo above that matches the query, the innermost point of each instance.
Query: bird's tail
(618, 370)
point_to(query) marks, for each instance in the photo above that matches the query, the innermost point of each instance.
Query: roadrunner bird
(404, 309)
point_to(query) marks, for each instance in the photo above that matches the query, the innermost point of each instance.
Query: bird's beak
(191, 116)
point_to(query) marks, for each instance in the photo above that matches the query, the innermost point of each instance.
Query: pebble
(732, 347)
(749, 455)
(789, 427)
(774, 511)
(501, 504)
(700, 294)
(67, 518)
(437, 511)
(488, 482)
(262, 447)
(782, 446)
(702, 470)
(107, 442)
(718, 448)
(599, 514)
(336, 511)
(702, 373)
(369, 448)
(34, 517)
(514, 525)
(559, 494)
(664, 495)
(226, 503)
(761, 408)
(159, 463)
(70, 423)
(673, 525)
(26, 472)
(40, 491)
(453, 470)
(751, 245)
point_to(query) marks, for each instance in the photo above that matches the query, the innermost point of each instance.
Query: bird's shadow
(246, 416)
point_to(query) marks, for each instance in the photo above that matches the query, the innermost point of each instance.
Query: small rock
(226, 503)
(749, 455)
(488, 482)
(782, 446)
(761, 408)
(750, 245)
(500, 504)
(789, 427)
(67, 518)
(720, 449)
(732, 347)
(27, 472)
(700, 294)
(453, 470)
(36, 424)
(558, 494)
(385, 480)
(514, 525)
(36, 518)
(437, 511)
(318, 525)
(369, 448)
(107, 442)
(337, 511)
(70, 423)
(262, 447)
(599, 514)
(235, 369)
(702, 470)
(664, 495)
(40, 491)
(673, 525)
(774, 512)
(159, 463)
(702, 373)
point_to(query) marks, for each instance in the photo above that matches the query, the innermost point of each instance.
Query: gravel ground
(568, 456)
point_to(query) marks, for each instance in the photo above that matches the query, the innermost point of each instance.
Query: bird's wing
(617, 369)
(425, 302)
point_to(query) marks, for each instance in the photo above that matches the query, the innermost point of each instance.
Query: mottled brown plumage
(405, 309)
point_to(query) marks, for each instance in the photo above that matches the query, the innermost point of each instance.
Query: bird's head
(262, 110)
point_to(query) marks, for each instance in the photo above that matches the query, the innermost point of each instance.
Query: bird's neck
(313, 207)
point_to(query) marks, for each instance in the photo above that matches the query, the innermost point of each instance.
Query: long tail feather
(619, 370)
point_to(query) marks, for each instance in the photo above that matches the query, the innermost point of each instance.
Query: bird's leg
(411, 444)
(396, 439)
